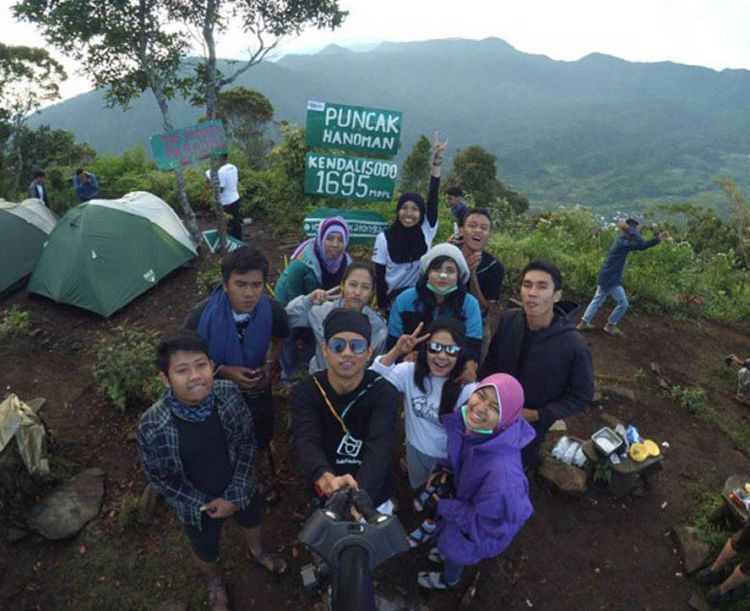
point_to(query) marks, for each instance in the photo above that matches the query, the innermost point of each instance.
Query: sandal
(735, 595)
(419, 536)
(270, 561)
(433, 581)
(709, 577)
(217, 595)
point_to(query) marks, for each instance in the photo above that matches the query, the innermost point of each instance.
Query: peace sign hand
(407, 342)
(438, 147)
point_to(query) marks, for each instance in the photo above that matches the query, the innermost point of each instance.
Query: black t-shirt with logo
(363, 450)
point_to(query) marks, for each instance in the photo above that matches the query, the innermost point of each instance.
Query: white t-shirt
(422, 410)
(401, 275)
(228, 181)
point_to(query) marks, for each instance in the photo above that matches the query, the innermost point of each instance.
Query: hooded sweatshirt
(553, 365)
(492, 493)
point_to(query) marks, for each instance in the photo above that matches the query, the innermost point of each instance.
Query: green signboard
(211, 237)
(188, 145)
(353, 128)
(365, 225)
(372, 180)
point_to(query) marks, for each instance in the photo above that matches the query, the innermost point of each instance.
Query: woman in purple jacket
(491, 501)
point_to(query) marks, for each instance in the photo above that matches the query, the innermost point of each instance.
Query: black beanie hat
(341, 320)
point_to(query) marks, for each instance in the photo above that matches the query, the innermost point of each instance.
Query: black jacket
(371, 418)
(553, 365)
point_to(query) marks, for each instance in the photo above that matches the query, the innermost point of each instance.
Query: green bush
(691, 398)
(125, 367)
(15, 322)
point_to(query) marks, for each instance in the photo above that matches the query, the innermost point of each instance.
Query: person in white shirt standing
(230, 195)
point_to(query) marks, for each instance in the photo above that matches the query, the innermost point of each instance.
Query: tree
(245, 114)
(28, 78)
(125, 46)
(740, 217)
(267, 21)
(475, 169)
(416, 167)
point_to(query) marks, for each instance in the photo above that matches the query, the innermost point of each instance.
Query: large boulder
(693, 547)
(70, 506)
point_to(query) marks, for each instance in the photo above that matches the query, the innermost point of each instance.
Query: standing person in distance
(454, 198)
(609, 280)
(398, 249)
(85, 185)
(37, 189)
(230, 194)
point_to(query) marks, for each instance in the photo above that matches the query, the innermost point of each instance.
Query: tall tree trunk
(187, 210)
(18, 153)
(208, 37)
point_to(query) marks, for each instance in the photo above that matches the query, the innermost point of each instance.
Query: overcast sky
(712, 33)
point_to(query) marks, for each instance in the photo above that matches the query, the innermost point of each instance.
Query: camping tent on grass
(24, 228)
(104, 253)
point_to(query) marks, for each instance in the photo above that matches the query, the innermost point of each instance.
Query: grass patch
(15, 323)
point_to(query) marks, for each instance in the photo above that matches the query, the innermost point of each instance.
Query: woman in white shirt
(431, 388)
(398, 249)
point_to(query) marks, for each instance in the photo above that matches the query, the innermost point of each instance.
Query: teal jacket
(302, 276)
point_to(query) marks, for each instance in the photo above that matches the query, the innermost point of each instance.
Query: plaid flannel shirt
(159, 448)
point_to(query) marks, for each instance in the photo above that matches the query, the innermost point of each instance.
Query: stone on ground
(70, 506)
(558, 425)
(616, 389)
(693, 547)
(567, 479)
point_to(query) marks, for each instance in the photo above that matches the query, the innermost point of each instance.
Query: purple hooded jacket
(492, 493)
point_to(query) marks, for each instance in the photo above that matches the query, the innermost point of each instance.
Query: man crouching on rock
(197, 446)
(344, 417)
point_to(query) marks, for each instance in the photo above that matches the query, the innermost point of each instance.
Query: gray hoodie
(302, 313)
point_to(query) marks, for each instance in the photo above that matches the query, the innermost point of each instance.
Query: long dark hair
(426, 304)
(452, 387)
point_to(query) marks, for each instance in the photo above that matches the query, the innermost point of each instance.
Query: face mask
(464, 407)
(437, 291)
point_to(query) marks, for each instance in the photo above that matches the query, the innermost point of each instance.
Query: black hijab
(407, 244)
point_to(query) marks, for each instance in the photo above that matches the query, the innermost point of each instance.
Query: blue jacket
(610, 274)
(492, 493)
(86, 191)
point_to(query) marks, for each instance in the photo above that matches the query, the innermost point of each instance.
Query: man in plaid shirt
(197, 446)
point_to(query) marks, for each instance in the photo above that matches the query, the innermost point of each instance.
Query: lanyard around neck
(349, 405)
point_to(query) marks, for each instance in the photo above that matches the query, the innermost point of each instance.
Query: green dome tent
(24, 228)
(104, 253)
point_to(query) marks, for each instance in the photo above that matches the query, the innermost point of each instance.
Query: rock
(70, 506)
(132, 435)
(13, 534)
(698, 603)
(617, 390)
(597, 398)
(566, 478)
(147, 504)
(693, 547)
(558, 425)
(654, 367)
(247, 221)
(172, 605)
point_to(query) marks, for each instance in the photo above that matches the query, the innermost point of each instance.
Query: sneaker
(613, 330)
(585, 326)
(435, 556)
(433, 581)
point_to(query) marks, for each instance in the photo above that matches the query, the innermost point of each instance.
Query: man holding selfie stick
(245, 330)
(344, 418)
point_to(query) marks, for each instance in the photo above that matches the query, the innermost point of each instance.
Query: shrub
(125, 367)
(15, 322)
(691, 398)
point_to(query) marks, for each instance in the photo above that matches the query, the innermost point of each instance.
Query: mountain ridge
(600, 130)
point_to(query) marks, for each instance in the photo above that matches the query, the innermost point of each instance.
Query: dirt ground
(594, 552)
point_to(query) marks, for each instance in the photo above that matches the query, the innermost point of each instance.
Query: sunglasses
(338, 345)
(437, 348)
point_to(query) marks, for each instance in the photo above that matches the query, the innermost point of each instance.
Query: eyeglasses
(337, 345)
(437, 348)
